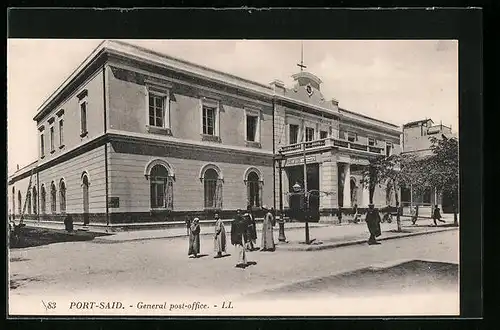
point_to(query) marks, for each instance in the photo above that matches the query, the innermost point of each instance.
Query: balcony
(331, 142)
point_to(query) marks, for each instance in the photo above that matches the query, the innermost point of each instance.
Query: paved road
(161, 267)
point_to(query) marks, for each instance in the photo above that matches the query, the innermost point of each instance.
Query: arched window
(62, 196)
(28, 202)
(43, 198)
(85, 193)
(212, 179)
(210, 184)
(53, 195)
(161, 186)
(19, 202)
(35, 198)
(254, 189)
(13, 200)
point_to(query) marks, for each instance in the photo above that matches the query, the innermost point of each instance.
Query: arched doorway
(85, 193)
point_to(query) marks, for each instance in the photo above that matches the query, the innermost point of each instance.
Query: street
(160, 269)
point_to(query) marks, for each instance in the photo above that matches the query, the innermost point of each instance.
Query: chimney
(278, 86)
(18, 167)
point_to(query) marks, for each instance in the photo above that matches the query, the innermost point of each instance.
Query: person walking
(356, 214)
(194, 238)
(436, 215)
(373, 223)
(252, 229)
(238, 238)
(267, 230)
(188, 224)
(414, 217)
(220, 237)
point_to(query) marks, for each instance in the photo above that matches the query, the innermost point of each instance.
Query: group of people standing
(243, 234)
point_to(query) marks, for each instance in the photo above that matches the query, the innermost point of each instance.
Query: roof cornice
(108, 47)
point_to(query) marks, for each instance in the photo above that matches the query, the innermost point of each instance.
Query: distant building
(138, 138)
(416, 140)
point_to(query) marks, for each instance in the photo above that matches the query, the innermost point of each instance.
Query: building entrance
(296, 175)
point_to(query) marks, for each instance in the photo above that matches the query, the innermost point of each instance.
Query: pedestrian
(252, 229)
(373, 223)
(188, 223)
(238, 238)
(194, 238)
(436, 215)
(267, 230)
(220, 237)
(356, 214)
(414, 217)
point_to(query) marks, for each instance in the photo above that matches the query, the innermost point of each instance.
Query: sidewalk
(140, 235)
(326, 235)
(338, 236)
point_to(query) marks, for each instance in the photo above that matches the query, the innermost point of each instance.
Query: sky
(392, 80)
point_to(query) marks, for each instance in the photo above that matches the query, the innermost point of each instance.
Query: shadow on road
(411, 276)
(30, 237)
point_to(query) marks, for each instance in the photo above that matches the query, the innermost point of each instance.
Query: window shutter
(218, 194)
(169, 194)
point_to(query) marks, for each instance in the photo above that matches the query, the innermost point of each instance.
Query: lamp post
(281, 222)
(306, 197)
(297, 189)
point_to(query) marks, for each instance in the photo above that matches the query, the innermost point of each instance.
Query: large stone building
(135, 137)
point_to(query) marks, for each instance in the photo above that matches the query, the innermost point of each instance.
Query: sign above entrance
(359, 161)
(296, 161)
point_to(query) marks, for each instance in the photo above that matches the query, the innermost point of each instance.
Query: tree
(442, 169)
(383, 170)
(394, 171)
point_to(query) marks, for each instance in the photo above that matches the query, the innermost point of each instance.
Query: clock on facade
(309, 90)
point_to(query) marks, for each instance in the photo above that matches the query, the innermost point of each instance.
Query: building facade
(417, 141)
(138, 137)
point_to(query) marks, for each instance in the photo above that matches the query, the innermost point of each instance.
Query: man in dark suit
(373, 222)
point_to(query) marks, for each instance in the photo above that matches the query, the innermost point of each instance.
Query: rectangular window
(309, 134)
(51, 138)
(209, 120)
(42, 145)
(388, 149)
(371, 142)
(294, 134)
(342, 135)
(352, 137)
(157, 110)
(252, 124)
(83, 118)
(61, 132)
(323, 134)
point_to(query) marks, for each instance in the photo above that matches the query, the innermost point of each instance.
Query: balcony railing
(332, 142)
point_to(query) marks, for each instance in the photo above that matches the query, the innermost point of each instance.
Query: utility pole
(306, 195)
(281, 223)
